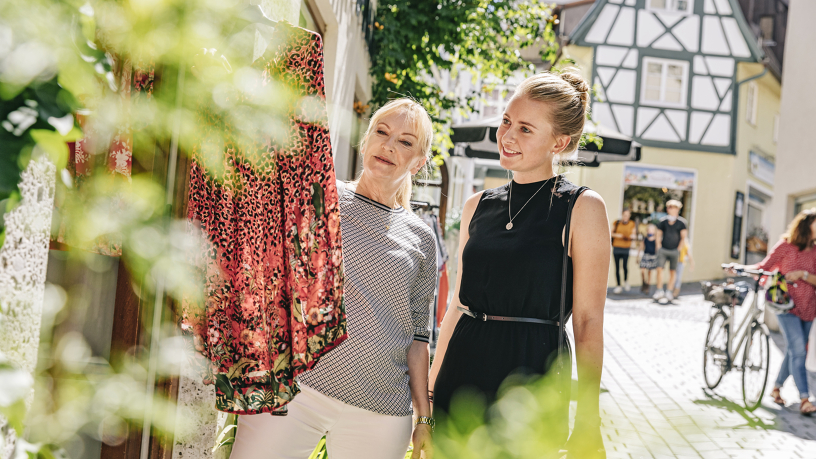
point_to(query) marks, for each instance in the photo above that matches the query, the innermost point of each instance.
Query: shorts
(672, 256)
(648, 261)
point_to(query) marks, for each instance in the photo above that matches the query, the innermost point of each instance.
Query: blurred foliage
(65, 59)
(416, 41)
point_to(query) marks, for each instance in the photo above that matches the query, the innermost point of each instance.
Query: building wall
(346, 69)
(795, 168)
(719, 175)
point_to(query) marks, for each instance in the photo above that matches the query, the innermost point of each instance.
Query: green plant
(415, 41)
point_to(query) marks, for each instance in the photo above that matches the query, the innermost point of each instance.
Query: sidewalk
(653, 403)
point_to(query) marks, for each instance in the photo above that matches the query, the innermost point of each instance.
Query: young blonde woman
(362, 394)
(504, 315)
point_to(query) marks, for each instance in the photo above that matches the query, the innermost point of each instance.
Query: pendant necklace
(509, 226)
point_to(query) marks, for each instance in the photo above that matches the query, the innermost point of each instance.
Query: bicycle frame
(753, 315)
(742, 333)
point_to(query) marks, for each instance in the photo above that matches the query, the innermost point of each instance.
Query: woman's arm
(589, 242)
(453, 313)
(418, 359)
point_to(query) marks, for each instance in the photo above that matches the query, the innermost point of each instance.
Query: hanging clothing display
(432, 220)
(267, 209)
(134, 86)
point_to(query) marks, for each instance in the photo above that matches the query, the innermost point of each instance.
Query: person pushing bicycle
(795, 257)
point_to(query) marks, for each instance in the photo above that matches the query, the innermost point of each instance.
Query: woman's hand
(422, 442)
(794, 276)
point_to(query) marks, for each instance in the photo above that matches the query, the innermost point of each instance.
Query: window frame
(683, 104)
(687, 12)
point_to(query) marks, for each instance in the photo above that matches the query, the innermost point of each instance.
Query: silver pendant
(509, 226)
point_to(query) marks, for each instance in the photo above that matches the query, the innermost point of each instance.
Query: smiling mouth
(508, 152)
(383, 160)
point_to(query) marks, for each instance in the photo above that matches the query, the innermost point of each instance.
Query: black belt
(484, 317)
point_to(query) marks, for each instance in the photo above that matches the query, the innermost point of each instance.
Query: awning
(478, 139)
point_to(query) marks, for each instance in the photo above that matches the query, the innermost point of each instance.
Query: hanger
(254, 14)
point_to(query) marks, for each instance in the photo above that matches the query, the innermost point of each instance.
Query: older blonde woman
(360, 394)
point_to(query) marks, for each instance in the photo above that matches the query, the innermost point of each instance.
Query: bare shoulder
(471, 204)
(590, 205)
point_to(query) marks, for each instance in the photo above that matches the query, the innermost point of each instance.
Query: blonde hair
(567, 94)
(423, 126)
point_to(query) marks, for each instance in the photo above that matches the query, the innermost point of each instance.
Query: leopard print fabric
(268, 212)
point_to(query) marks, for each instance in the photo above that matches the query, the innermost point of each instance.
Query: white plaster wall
(795, 167)
(347, 64)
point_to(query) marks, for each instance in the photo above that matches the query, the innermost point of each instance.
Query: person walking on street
(795, 257)
(648, 257)
(671, 237)
(362, 394)
(505, 314)
(685, 260)
(623, 232)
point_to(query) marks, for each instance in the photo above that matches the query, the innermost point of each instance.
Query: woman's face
(525, 136)
(392, 149)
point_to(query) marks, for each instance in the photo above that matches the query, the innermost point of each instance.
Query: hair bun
(578, 83)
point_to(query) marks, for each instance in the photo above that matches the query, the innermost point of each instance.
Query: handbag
(563, 316)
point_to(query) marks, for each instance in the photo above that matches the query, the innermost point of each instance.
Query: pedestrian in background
(671, 236)
(623, 232)
(685, 259)
(648, 257)
(794, 255)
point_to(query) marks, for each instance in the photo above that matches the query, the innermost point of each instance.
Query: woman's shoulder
(417, 225)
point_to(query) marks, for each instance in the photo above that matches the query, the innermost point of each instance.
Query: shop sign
(762, 168)
(655, 177)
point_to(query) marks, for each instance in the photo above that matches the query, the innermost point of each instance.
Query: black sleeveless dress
(514, 273)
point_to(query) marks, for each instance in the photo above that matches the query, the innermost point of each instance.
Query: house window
(671, 6)
(776, 129)
(664, 82)
(752, 97)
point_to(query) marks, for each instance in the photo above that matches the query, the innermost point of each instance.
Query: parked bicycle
(723, 342)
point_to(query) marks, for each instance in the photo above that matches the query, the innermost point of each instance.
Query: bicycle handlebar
(747, 272)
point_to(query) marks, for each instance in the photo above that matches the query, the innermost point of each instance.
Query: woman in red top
(794, 255)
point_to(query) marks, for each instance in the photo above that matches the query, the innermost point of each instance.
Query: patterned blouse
(271, 264)
(786, 257)
(390, 261)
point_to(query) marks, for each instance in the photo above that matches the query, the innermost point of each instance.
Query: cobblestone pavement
(653, 403)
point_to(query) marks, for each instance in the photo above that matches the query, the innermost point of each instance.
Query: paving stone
(655, 402)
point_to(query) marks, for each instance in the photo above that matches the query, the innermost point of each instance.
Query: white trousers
(351, 432)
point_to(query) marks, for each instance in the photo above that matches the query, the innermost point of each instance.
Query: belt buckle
(484, 317)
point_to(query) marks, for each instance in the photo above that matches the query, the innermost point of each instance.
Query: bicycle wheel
(715, 356)
(755, 362)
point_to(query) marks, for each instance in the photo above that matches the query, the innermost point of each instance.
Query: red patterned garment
(115, 156)
(786, 257)
(267, 209)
